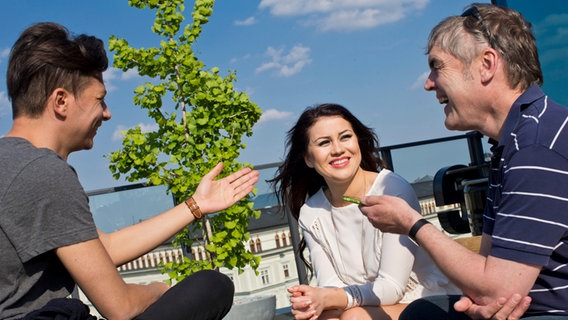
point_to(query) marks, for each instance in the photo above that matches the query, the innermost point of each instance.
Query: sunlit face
(455, 87)
(87, 111)
(333, 149)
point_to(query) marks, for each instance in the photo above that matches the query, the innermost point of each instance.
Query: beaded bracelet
(194, 208)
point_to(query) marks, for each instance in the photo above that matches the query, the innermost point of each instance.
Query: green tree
(202, 125)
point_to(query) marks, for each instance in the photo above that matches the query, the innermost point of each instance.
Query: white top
(345, 250)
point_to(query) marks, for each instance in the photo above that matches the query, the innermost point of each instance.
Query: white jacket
(345, 250)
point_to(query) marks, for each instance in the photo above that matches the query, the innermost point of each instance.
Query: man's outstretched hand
(214, 195)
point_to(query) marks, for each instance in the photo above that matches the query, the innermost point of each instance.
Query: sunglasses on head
(474, 12)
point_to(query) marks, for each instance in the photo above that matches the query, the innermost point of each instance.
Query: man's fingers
(245, 184)
(239, 176)
(463, 304)
(514, 308)
(476, 311)
(370, 200)
(510, 309)
(214, 172)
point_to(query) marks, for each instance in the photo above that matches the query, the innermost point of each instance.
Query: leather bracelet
(414, 229)
(193, 208)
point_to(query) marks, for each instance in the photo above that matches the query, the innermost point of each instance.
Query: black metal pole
(386, 156)
(475, 148)
(295, 232)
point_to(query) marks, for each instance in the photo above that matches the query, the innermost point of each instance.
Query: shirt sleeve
(397, 259)
(321, 263)
(46, 208)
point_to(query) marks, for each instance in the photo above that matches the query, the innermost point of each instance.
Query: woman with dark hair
(361, 272)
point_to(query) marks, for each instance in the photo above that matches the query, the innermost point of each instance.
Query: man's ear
(490, 60)
(308, 162)
(60, 99)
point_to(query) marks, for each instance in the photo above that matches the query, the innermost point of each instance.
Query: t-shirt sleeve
(46, 208)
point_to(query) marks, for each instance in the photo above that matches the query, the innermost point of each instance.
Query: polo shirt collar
(532, 94)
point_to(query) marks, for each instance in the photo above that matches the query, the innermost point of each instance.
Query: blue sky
(288, 54)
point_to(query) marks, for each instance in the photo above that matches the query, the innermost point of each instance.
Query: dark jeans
(61, 309)
(442, 308)
(204, 295)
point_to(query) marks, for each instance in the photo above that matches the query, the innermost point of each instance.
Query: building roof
(271, 213)
(423, 188)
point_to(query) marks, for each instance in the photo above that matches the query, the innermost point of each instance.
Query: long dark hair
(294, 181)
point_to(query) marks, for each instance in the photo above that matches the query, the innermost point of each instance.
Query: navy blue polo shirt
(527, 205)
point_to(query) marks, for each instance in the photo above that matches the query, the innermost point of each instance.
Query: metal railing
(474, 143)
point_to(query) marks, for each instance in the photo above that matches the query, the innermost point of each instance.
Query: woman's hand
(215, 195)
(307, 302)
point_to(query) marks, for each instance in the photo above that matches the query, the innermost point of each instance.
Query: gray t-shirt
(42, 207)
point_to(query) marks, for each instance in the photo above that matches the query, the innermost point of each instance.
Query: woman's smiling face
(333, 149)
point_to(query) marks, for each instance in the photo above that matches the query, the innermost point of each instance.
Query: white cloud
(247, 22)
(289, 64)
(113, 74)
(235, 60)
(341, 15)
(110, 87)
(553, 55)
(349, 20)
(117, 135)
(419, 82)
(4, 53)
(148, 127)
(555, 19)
(4, 104)
(109, 75)
(273, 114)
(129, 74)
(145, 127)
(552, 30)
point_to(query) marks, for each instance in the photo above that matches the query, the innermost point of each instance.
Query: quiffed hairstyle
(46, 57)
(295, 181)
(503, 29)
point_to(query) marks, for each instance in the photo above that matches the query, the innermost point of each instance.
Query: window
(258, 245)
(201, 254)
(286, 270)
(265, 277)
(277, 239)
(251, 244)
(284, 239)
